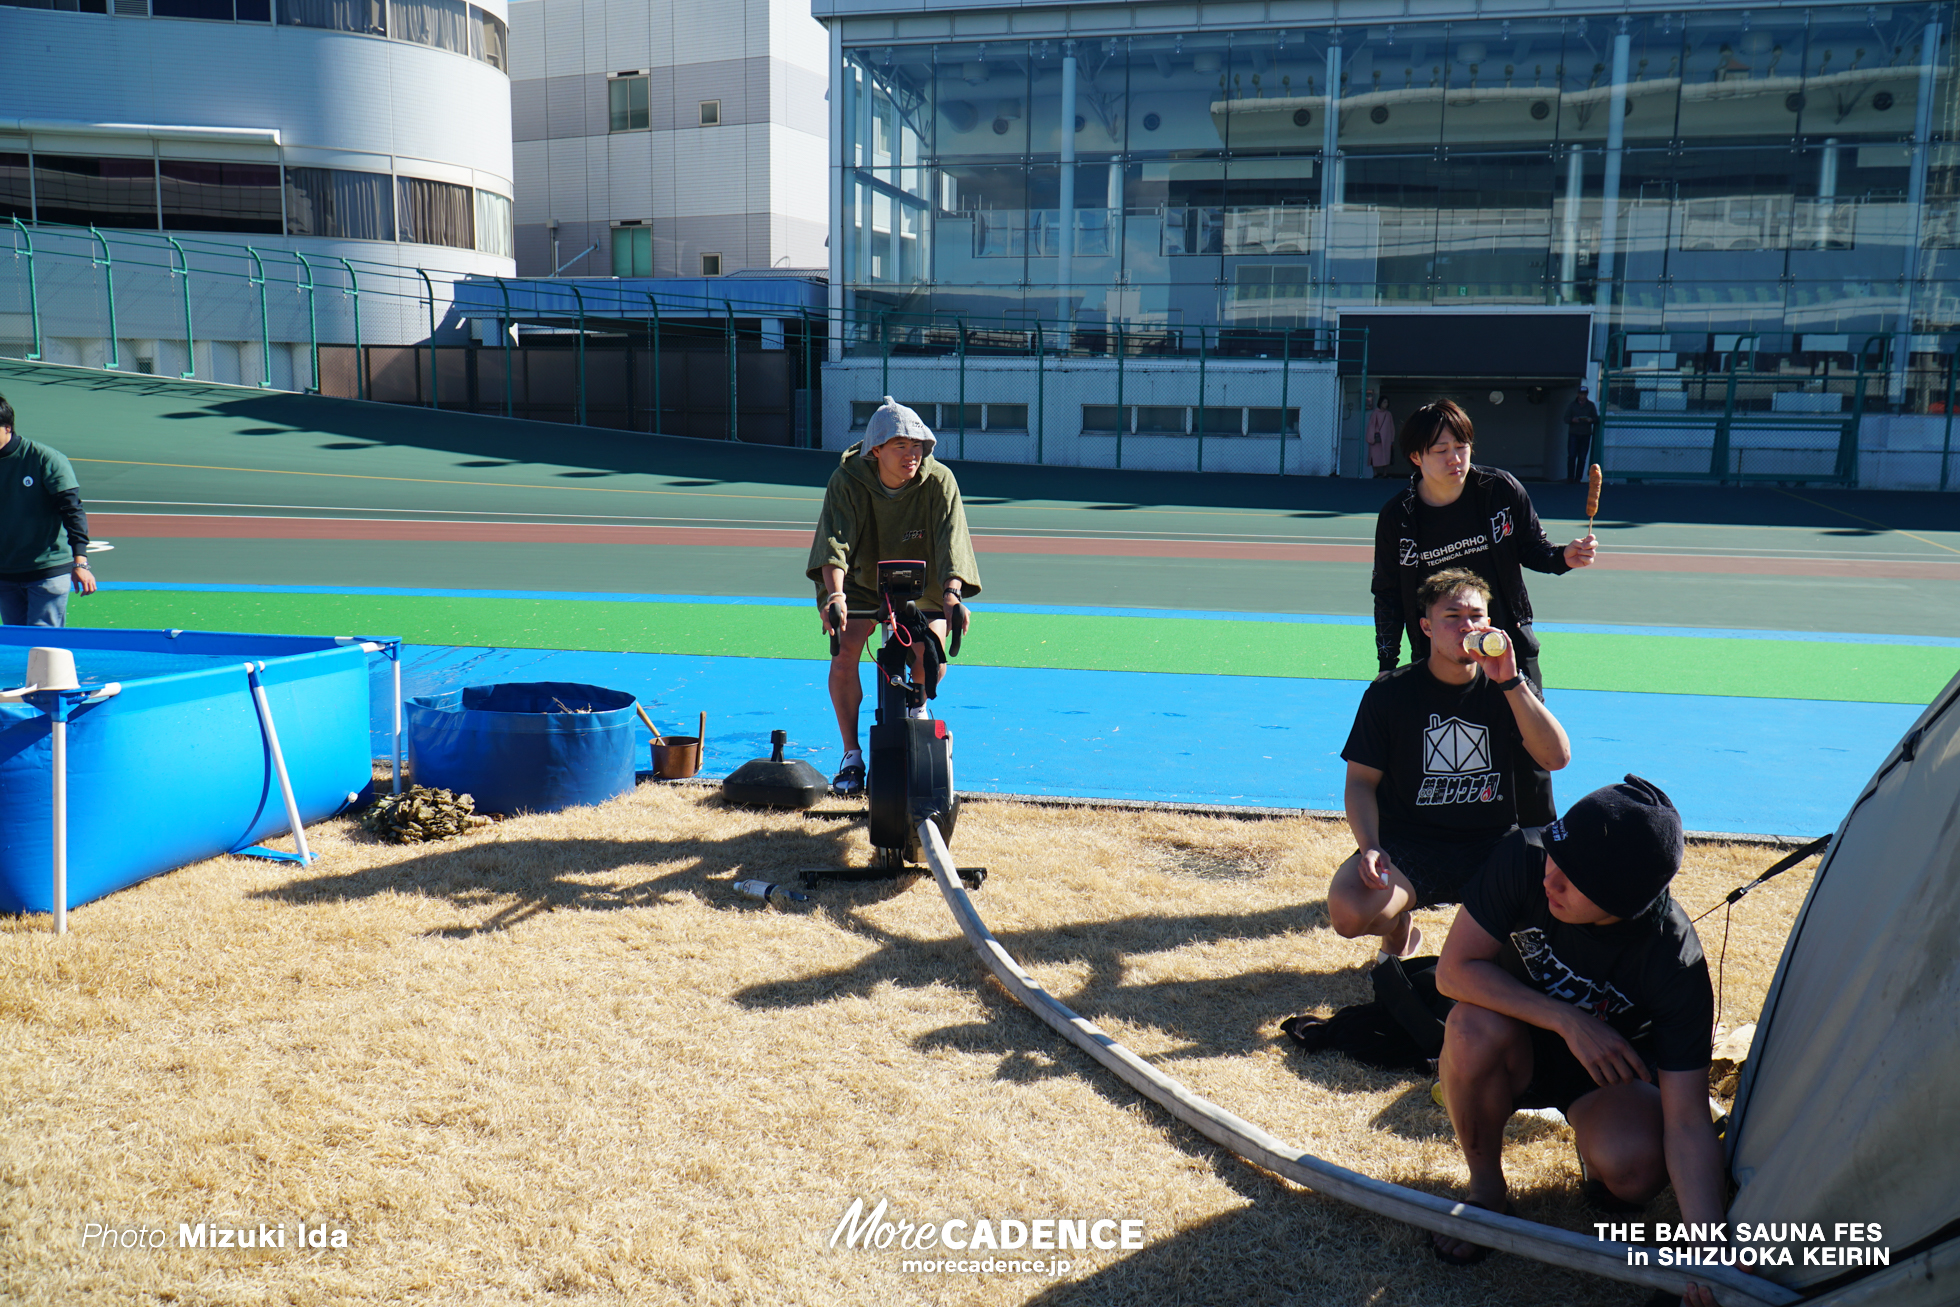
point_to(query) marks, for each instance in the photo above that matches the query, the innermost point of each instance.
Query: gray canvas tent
(1849, 1108)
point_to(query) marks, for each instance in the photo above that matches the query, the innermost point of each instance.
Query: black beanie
(1619, 846)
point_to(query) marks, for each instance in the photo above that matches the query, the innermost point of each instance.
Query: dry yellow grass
(561, 1059)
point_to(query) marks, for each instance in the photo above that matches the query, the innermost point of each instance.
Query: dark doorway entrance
(1513, 373)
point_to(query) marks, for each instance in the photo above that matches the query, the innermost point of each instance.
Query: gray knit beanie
(894, 419)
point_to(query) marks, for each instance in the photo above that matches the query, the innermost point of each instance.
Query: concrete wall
(1054, 432)
(750, 189)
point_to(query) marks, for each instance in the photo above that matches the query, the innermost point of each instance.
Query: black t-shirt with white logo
(1445, 752)
(1645, 977)
(1457, 535)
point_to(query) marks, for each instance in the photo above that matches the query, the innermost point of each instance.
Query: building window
(16, 192)
(444, 24)
(341, 205)
(490, 41)
(235, 197)
(711, 265)
(632, 251)
(224, 11)
(434, 213)
(85, 192)
(366, 16)
(626, 104)
(221, 10)
(72, 6)
(711, 113)
(493, 230)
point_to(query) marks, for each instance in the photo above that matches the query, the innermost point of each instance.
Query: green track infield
(1755, 669)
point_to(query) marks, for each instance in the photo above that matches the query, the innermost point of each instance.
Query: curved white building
(246, 176)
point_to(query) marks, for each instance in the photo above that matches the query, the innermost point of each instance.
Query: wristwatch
(1510, 685)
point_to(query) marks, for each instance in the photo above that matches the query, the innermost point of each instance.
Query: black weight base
(971, 877)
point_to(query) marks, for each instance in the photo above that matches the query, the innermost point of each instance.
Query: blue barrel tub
(524, 746)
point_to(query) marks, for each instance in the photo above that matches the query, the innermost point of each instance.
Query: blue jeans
(35, 603)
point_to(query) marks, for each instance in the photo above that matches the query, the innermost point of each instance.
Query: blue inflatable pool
(176, 766)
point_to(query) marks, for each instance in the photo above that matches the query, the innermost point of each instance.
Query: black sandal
(849, 782)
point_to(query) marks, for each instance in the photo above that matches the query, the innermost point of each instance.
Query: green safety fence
(1777, 407)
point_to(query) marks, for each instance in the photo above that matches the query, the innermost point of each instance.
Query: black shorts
(1558, 1079)
(1438, 869)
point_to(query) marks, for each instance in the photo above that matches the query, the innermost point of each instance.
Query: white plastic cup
(51, 669)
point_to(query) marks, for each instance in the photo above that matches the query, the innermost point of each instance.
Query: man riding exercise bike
(888, 499)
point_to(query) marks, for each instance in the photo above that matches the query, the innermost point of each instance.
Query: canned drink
(1488, 643)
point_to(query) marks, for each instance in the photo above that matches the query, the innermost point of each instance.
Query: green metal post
(190, 342)
(1122, 421)
(1718, 456)
(265, 321)
(1040, 398)
(1202, 335)
(360, 352)
(312, 322)
(33, 290)
(1364, 375)
(1285, 368)
(809, 380)
(581, 350)
(1847, 464)
(653, 302)
(108, 265)
(504, 331)
(962, 330)
(733, 383)
(433, 402)
(1946, 443)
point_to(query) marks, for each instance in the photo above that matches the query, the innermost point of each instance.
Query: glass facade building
(1774, 170)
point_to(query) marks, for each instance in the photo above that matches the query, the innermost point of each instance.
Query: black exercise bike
(910, 762)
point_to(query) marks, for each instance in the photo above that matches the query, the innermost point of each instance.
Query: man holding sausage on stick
(1431, 767)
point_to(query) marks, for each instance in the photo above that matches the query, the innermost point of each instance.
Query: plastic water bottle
(770, 893)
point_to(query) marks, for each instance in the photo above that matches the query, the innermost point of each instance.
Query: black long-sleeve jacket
(1520, 543)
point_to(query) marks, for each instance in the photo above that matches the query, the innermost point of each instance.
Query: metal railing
(1793, 408)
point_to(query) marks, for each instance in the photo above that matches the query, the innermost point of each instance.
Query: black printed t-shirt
(1646, 977)
(1457, 535)
(1445, 752)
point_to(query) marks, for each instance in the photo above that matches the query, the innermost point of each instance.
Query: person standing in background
(40, 503)
(1381, 437)
(1581, 417)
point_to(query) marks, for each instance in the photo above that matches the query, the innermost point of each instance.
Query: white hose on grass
(1526, 1238)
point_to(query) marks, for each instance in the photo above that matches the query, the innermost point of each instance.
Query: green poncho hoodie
(862, 523)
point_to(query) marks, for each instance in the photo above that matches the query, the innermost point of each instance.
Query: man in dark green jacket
(888, 499)
(40, 503)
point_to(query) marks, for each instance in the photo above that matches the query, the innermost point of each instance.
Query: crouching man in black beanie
(1580, 985)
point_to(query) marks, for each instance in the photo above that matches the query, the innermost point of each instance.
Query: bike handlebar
(843, 616)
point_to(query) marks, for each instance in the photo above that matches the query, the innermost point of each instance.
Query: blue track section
(1749, 766)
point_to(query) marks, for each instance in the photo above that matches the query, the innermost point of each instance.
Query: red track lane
(185, 527)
